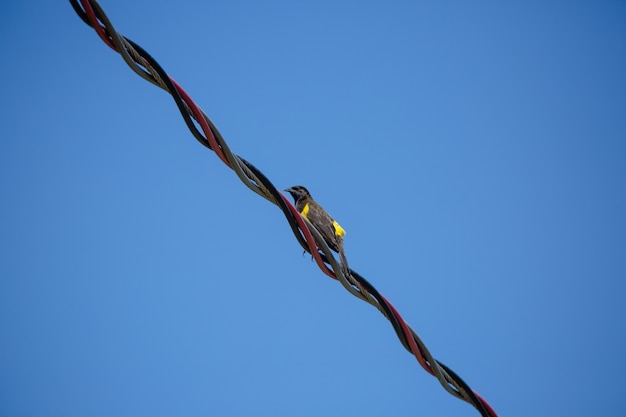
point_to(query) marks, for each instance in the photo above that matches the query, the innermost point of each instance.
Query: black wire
(279, 201)
(381, 300)
(80, 12)
(475, 401)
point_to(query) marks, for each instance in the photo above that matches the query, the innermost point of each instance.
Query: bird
(330, 230)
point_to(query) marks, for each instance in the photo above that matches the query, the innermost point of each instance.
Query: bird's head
(298, 192)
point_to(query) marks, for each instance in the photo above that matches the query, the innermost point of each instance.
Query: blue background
(474, 152)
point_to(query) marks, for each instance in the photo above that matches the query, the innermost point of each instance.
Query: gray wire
(141, 67)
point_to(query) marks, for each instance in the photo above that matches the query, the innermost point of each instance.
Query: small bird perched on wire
(323, 222)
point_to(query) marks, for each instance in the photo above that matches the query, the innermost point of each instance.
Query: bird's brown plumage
(323, 222)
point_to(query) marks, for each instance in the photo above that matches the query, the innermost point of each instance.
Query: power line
(309, 238)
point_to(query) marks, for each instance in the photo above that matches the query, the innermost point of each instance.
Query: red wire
(304, 228)
(422, 361)
(490, 410)
(100, 30)
(409, 337)
(199, 116)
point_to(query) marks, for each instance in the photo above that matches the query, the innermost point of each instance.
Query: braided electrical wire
(308, 237)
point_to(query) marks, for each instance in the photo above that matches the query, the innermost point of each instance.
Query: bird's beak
(289, 190)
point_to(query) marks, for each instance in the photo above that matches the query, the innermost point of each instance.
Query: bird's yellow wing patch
(338, 229)
(305, 211)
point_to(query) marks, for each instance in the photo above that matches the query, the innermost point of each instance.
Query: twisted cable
(207, 134)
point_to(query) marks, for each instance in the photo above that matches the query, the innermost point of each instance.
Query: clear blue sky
(475, 152)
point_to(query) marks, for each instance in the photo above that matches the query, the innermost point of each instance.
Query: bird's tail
(345, 269)
(344, 261)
